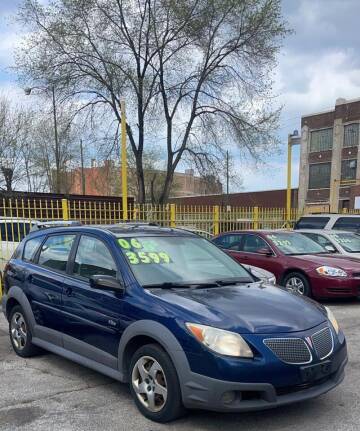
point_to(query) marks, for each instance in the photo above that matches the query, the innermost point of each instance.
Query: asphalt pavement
(53, 394)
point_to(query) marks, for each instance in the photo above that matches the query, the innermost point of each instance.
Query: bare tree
(202, 66)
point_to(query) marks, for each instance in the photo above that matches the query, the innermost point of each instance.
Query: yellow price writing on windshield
(136, 258)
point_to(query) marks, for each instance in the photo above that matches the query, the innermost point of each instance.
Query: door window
(93, 258)
(55, 251)
(31, 247)
(230, 241)
(320, 239)
(347, 223)
(253, 244)
(312, 223)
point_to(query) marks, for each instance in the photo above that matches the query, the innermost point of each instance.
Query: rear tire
(154, 384)
(20, 334)
(296, 282)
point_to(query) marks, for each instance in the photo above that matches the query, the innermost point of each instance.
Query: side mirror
(330, 248)
(106, 282)
(265, 251)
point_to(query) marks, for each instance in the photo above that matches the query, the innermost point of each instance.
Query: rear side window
(311, 223)
(30, 248)
(55, 251)
(347, 223)
(230, 241)
(93, 258)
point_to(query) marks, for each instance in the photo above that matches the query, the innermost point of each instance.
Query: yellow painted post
(172, 215)
(216, 218)
(65, 209)
(256, 218)
(124, 163)
(288, 190)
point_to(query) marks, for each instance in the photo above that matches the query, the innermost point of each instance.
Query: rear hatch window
(311, 223)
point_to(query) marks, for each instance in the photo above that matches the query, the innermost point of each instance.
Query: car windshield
(169, 261)
(350, 242)
(292, 243)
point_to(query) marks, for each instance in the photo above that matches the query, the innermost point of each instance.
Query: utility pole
(293, 139)
(124, 163)
(83, 185)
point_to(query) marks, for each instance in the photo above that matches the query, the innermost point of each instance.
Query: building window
(351, 135)
(319, 176)
(348, 169)
(321, 140)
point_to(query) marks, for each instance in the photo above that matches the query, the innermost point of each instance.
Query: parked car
(173, 315)
(345, 222)
(299, 263)
(343, 242)
(261, 273)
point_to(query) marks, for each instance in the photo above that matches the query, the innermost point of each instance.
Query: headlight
(272, 280)
(332, 319)
(330, 271)
(220, 341)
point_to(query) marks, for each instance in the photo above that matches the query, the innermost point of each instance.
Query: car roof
(259, 231)
(123, 229)
(329, 215)
(324, 231)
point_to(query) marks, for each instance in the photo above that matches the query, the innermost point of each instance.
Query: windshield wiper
(194, 285)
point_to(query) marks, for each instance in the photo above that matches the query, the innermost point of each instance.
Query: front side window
(93, 258)
(55, 251)
(295, 243)
(350, 242)
(157, 260)
(321, 140)
(348, 169)
(319, 175)
(253, 244)
(347, 223)
(351, 135)
(31, 247)
(320, 239)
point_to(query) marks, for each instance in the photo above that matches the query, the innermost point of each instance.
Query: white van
(347, 222)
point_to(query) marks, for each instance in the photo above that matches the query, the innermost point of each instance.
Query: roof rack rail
(138, 223)
(58, 223)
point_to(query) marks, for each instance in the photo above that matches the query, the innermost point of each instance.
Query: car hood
(350, 264)
(253, 308)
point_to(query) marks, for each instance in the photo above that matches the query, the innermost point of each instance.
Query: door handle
(68, 291)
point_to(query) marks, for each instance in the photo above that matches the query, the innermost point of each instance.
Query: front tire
(296, 282)
(20, 334)
(154, 384)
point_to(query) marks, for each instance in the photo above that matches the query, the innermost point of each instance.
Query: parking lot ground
(51, 393)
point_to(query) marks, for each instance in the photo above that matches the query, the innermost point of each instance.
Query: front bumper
(335, 287)
(203, 392)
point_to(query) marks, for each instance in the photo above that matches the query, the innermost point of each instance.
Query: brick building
(329, 158)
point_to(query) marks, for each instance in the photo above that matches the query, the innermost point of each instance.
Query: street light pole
(57, 148)
(27, 92)
(123, 162)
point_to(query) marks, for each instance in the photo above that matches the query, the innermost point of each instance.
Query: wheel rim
(296, 285)
(149, 383)
(18, 331)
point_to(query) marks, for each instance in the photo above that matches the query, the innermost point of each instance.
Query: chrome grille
(323, 343)
(290, 350)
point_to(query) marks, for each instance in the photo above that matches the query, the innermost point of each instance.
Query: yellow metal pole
(124, 187)
(65, 209)
(288, 190)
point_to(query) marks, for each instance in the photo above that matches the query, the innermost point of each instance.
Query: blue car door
(93, 317)
(44, 283)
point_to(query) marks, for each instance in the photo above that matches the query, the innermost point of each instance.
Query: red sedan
(299, 263)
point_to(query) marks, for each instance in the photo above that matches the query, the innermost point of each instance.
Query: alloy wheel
(149, 383)
(18, 330)
(295, 285)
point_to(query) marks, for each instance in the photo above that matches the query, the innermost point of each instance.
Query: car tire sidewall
(173, 407)
(29, 349)
(305, 281)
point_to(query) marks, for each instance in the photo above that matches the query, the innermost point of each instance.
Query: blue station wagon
(172, 315)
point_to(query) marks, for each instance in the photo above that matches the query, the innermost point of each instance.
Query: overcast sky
(318, 63)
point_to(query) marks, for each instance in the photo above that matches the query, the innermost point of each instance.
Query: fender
(17, 293)
(163, 336)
